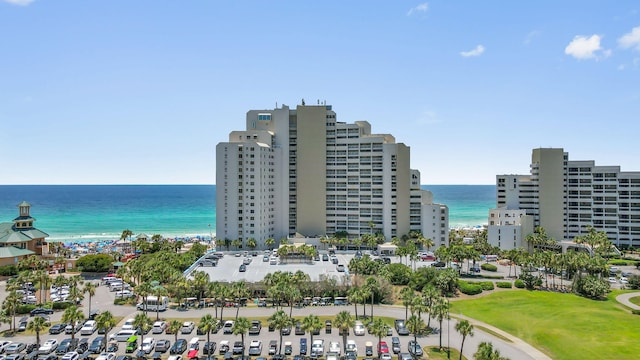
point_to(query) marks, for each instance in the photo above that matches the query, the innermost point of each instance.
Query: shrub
(619, 262)
(24, 308)
(634, 282)
(635, 312)
(120, 302)
(61, 305)
(487, 285)
(489, 267)
(469, 288)
(8, 270)
(492, 277)
(505, 285)
(519, 284)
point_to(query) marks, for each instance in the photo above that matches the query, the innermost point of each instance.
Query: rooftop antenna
(302, 101)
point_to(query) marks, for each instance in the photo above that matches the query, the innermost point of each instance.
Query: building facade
(301, 172)
(564, 196)
(20, 238)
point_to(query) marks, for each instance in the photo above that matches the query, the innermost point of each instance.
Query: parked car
(273, 347)
(401, 328)
(242, 268)
(57, 328)
(209, 348)
(48, 346)
(255, 348)
(238, 347)
(83, 346)
(256, 326)
(89, 327)
(395, 344)
(415, 349)
(228, 327)
(383, 348)
(73, 328)
(358, 329)
(178, 347)
(40, 310)
(163, 345)
(67, 345)
(148, 344)
(106, 356)
(72, 355)
(303, 346)
(15, 347)
(158, 327)
(98, 345)
(187, 327)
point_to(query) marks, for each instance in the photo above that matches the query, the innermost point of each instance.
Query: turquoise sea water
(100, 212)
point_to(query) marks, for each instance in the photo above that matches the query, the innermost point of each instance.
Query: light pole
(448, 331)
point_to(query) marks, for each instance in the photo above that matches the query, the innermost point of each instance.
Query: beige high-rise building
(564, 196)
(303, 172)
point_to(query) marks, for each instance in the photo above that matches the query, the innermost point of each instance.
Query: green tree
(407, 295)
(142, 322)
(416, 326)
(344, 321)
(207, 324)
(487, 352)
(106, 321)
(312, 324)
(89, 288)
(465, 329)
(379, 329)
(174, 328)
(241, 327)
(280, 320)
(37, 324)
(72, 315)
(11, 303)
(440, 312)
(251, 243)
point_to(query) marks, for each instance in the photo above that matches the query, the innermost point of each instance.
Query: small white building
(508, 228)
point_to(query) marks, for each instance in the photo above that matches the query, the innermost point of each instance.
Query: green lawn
(564, 326)
(635, 300)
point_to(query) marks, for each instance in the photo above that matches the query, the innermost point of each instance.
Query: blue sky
(140, 92)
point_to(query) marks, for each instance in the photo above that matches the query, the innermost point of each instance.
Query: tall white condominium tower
(301, 172)
(564, 196)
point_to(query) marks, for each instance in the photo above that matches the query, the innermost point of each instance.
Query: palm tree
(270, 242)
(72, 315)
(379, 328)
(158, 291)
(280, 320)
(487, 352)
(344, 321)
(89, 288)
(239, 291)
(37, 325)
(311, 323)
(11, 303)
(407, 295)
(200, 283)
(465, 329)
(372, 286)
(415, 325)
(143, 290)
(241, 327)
(126, 234)
(142, 322)
(174, 328)
(207, 324)
(440, 311)
(106, 321)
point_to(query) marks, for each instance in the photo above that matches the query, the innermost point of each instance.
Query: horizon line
(182, 184)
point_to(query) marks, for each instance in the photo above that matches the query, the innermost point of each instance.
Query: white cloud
(475, 52)
(19, 2)
(583, 47)
(424, 7)
(630, 40)
(531, 36)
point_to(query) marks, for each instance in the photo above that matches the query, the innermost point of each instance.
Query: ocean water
(74, 213)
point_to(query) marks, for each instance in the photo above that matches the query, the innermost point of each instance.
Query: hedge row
(519, 284)
(8, 270)
(504, 284)
(489, 267)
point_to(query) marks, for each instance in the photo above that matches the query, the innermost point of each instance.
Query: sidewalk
(624, 300)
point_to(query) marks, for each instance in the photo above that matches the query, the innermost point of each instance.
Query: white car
(386, 356)
(147, 344)
(175, 357)
(334, 347)
(228, 327)
(71, 356)
(3, 345)
(128, 325)
(159, 327)
(123, 294)
(89, 327)
(624, 280)
(187, 327)
(351, 346)
(48, 346)
(14, 348)
(317, 348)
(106, 356)
(613, 280)
(358, 329)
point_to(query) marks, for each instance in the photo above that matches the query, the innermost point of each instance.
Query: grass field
(635, 300)
(564, 326)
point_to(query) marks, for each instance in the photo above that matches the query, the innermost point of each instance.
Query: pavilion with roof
(19, 238)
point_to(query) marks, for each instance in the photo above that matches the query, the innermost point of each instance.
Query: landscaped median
(564, 326)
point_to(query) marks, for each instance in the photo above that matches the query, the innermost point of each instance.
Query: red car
(192, 354)
(383, 348)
